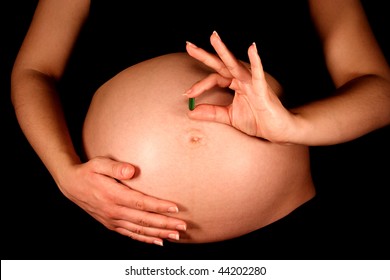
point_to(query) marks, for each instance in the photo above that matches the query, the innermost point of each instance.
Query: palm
(257, 111)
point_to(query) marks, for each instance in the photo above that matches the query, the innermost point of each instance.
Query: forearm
(40, 116)
(357, 108)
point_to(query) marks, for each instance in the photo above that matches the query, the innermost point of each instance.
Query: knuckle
(95, 162)
(143, 222)
(230, 67)
(221, 68)
(116, 170)
(110, 213)
(163, 223)
(139, 204)
(132, 235)
(139, 230)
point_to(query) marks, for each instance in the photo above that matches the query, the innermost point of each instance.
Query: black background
(38, 222)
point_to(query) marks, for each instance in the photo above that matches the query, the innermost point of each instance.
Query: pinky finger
(141, 238)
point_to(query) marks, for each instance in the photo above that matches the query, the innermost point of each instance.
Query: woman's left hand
(256, 109)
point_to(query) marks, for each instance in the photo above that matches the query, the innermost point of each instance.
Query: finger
(112, 168)
(141, 238)
(208, 59)
(207, 83)
(124, 194)
(127, 227)
(208, 112)
(129, 198)
(235, 67)
(258, 75)
(152, 220)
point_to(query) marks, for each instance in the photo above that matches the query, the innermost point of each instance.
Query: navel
(195, 137)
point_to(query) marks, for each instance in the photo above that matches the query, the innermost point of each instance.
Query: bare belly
(225, 183)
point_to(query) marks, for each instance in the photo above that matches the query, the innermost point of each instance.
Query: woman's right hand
(94, 186)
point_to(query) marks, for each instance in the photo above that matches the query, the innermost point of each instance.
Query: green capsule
(191, 103)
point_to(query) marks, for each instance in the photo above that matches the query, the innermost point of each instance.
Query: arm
(359, 70)
(39, 65)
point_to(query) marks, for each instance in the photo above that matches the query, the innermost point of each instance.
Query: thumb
(115, 169)
(209, 112)
(125, 171)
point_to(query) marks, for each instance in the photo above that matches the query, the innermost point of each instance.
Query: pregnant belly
(225, 183)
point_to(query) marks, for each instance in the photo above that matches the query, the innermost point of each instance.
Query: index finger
(208, 59)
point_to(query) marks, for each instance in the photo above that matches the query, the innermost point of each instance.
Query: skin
(359, 105)
(225, 182)
(91, 185)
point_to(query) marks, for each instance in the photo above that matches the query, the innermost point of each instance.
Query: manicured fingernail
(158, 242)
(181, 227)
(216, 33)
(254, 44)
(191, 44)
(173, 209)
(188, 91)
(174, 236)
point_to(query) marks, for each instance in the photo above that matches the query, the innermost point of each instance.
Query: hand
(256, 109)
(93, 187)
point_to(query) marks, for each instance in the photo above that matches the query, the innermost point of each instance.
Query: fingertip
(188, 92)
(127, 171)
(158, 242)
(193, 114)
(189, 44)
(254, 56)
(173, 209)
(254, 46)
(181, 227)
(215, 38)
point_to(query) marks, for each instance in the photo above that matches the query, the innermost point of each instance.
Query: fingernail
(191, 44)
(216, 33)
(188, 91)
(126, 171)
(158, 242)
(174, 236)
(181, 227)
(173, 209)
